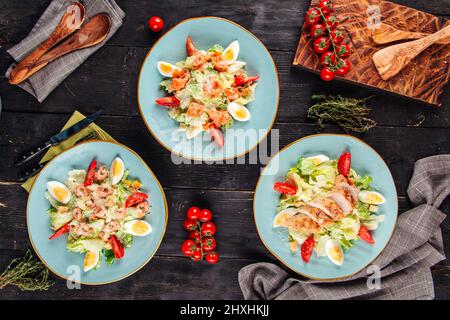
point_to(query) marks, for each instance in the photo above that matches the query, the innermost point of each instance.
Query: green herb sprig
(348, 113)
(27, 273)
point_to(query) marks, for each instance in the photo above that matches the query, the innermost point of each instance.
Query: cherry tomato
(331, 21)
(337, 36)
(285, 188)
(326, 6)
(212, 257)
(307, 248)
(317, 30)
(116, 247)
(64, 229)
(169, 102)
(365, 234)
(188, 247)
(327, 74)
(217, 135)
(198, 254)
(241, 81)
(155, 24)
(208, 244)
(193, 213)
(208, 229)
(343, 51)
(89, 179)
(189, 224)
(195, 235)
(312, 17)
(135, 198)
(321, 44)
(327, 59)
(344, 163)
(205, 215)
(343, 67)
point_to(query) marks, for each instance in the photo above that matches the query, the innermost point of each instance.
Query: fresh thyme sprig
(348, 113)
(27, 273)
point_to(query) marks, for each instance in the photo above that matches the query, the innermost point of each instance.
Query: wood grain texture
(423, 79)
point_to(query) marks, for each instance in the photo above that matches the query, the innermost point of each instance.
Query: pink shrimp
(77, 214)
(142, 209)
(81, 191)
(113, 226)
(101, 174)
(82, 229)
(99, 213)
(120, 213)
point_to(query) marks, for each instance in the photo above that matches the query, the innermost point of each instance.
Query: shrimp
(212, 87)
(101, 174)
(120, 213)
(103, 191)
(195, 110)
(109, 202)
(82, 230)
(77, 214)
(232, 94)
(81, 191)
(99, 213)
(142, 209)
(179, 80)
(218, 63)
(113, 226)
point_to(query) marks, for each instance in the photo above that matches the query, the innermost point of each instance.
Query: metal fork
(29, 172)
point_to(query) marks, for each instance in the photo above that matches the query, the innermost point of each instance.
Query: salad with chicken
(208, 91)
(100, 210)
(326, 207)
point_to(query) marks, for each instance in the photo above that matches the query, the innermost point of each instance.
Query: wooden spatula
(386, 33)
(391, 60)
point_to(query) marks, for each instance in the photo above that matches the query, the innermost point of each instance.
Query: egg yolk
(336, 253)
(60, 193)
(374, 198)
(140, 227)
(281, 219)
(89, 259)
(241, 114)
(117, 168)
(228, 55)
(316, 162)
(166, 68)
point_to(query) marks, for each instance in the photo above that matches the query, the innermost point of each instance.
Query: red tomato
(307, 248)
(135, 198)
(212, 257)
(327, 74)
(327, 59)
(285, 188)
(64, 229)
(205, 215)
(317, 30)
(208, 229)
(312, 17)
(89, 179)
(344, 163)
(169, 102)
(116, 247)
(198, 254)
(326, 6)
(337, 36)
(241, 81)
(343, 67)
(365, 234)
(189, 224)
(343, 51)
(195, 235)
(193, 213)
(188, 247)
(155, 24)
(321, 44)
(208, 244)
(331, 21)
(217, 135)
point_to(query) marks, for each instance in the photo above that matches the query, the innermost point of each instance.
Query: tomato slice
(285, 188)
(217, 135)
(169, 102)
(240, 81)
(190, 47)
(344, 163)
(89, 179)
(365, 234)
(135, 198)
(64, 229)
(307, 248)
(116, 247)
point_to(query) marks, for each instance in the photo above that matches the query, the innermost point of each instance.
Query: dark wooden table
(108, 80)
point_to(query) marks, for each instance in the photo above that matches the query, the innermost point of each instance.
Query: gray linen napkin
(42, 83)
(405, 263)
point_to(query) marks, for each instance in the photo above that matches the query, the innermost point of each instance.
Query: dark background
(108, 80)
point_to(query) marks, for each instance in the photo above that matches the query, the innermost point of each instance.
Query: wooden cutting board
(423, 79)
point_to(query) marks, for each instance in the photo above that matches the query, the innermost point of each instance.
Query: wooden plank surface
(110, 78)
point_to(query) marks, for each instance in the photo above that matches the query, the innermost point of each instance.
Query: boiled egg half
(167, 69)
(238, 111)
(334, 252)
(318, 159)
(117, 170)
(138, 228)
(371, 197)
(59, 191)
(231, 53)
(283, 216)
(236, 66)
(90, 260)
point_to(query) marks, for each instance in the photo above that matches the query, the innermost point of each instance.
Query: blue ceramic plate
(205, 32)
(54, 253)
(365, 160)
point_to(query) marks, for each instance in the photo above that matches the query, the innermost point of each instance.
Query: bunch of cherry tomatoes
(328, 38)
(201, 243)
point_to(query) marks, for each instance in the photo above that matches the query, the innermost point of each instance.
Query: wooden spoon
(92, 33)
(71, 21)
(391, 60)
(386, 33)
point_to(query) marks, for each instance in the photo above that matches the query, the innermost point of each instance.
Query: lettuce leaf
(363, 183)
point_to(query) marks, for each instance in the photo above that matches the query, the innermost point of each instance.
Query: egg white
(166, 69)
(235, 109)
(54, 187)
(116, 177)
(231, 53)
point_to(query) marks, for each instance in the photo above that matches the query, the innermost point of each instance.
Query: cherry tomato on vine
(343, 51)
(326, 6)
(195, 235)
(188, 248)
(331, 21)
(208, 244)
(327, 59)
(337, 36)
(193, 213)
(155, 24)
(205, 215)
(312, 16)
(197, 255)
(189, 224)
(212, 257)
(327, 74)
(317, 30)
(321, 44)
(208, 229)
(343, 67)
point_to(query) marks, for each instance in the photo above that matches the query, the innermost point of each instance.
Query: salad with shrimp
(208, 91)
(100, 209)
(326, 207)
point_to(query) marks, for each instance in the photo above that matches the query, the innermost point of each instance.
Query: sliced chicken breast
(347, 184)
(302, 223)
(329, 207)
(343, 199)
(316, 214)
